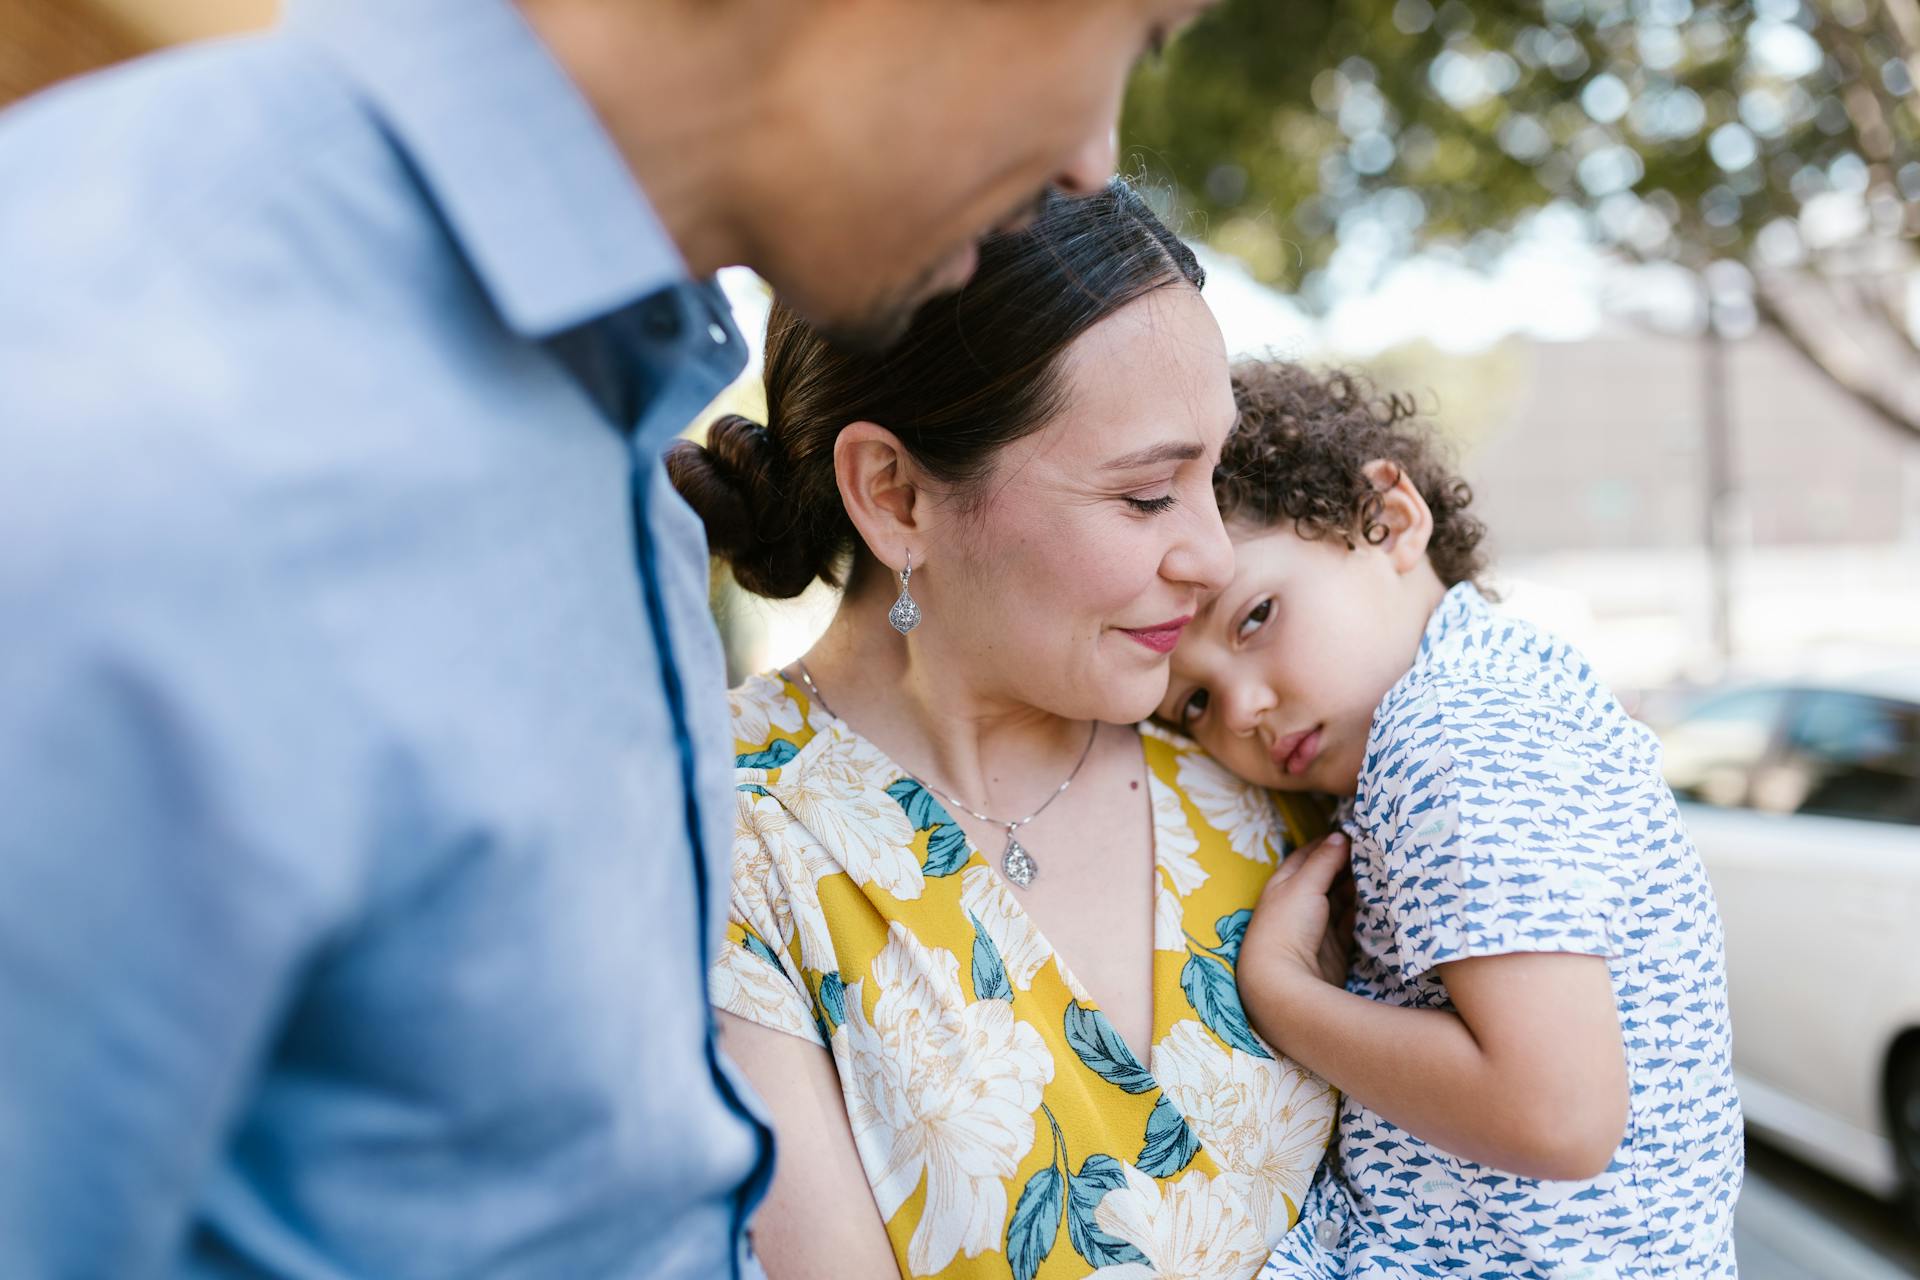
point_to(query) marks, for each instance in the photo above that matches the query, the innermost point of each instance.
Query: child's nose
(1246, 703)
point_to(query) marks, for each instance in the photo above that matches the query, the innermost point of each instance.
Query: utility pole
(1716, 421)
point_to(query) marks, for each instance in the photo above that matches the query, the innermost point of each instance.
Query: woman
(983, 927)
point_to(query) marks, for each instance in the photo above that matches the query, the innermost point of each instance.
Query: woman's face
(1065, 582)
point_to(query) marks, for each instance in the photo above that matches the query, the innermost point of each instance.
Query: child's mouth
(1295, 753)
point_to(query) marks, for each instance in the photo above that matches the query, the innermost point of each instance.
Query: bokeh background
(1651, 266)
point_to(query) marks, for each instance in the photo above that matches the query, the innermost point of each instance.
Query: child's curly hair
(1299, 448)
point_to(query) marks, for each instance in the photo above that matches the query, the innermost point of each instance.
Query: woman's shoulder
(1257, 823)
(768, 710)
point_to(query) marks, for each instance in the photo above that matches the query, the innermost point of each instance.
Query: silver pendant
(1018, 864)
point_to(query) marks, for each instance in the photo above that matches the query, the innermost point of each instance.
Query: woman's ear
(1404, 513)
(884, 493)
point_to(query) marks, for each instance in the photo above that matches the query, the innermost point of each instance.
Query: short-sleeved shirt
(1508, 804)
(1002, 1124)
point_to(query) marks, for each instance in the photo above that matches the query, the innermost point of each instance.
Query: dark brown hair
(975, 371)
(1298, 454)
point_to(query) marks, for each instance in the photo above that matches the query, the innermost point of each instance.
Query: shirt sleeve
(172, 854)
(1501, 826)
(758, 975)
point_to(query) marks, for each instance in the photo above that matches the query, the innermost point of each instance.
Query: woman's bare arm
(819, 1221)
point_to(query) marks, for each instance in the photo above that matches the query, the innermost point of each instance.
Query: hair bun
(740, 485)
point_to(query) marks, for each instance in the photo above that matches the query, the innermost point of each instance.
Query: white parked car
(1804, 799)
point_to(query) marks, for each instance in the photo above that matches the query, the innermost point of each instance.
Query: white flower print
(1174, 842)
(1240, 809)
(835, 789)
(1169, 925)
(778, 865)
(759, 706)
(1154, 729)
(987, 898)
(938, 1085)
(1265, 1119)
(744, 984)
(1197, 1228)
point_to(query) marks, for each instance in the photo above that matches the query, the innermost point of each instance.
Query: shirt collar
(537, 196)
(1461, 606)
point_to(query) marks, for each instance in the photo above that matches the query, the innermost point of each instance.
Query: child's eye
(1193, 708)
(1255, 618)
(1152, 506)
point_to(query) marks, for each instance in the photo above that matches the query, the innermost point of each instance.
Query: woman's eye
(1193, 707)
(1256, 618)
(1152, 506)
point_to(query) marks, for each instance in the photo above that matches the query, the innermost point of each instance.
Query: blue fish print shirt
(1508, 804)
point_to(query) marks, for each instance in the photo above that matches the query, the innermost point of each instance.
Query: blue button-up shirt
(363, 755)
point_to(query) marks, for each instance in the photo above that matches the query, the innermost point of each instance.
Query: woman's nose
(1089, 169)
(1204, 554)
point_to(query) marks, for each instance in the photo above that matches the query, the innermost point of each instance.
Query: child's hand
(1303, 924)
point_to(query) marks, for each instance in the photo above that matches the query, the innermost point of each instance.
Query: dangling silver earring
(905, 614)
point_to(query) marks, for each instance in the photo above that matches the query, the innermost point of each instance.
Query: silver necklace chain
(1016, 861)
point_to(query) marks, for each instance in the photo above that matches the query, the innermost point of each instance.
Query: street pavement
(1796, 1223)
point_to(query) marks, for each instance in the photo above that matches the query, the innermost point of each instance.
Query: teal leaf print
(989, 973)
(1211, 992)
(753, 789)
(1085, 1190)
(923, 810)
(777, 754)
(833, 1000)
(946, 851)
(1102, 1049)
(947, 846)
(753, 943)
(1035, 1224)
(1231, 930)
(1170, 1142)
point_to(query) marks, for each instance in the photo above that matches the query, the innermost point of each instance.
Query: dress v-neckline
(1077, 989)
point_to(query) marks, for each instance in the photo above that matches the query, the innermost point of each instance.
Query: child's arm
(1529, 1075)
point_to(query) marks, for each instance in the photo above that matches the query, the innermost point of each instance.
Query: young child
(1532, 1037)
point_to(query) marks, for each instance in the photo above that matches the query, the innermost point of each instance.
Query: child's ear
(1403, 513)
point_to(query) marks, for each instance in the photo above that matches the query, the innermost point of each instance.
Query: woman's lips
(1295, 753)
(1161, 636)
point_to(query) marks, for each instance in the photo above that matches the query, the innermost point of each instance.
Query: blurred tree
(1772, 148)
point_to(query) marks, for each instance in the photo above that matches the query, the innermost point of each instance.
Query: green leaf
(946, 851)
(753, 943)
(947, 846)
(1102, 1049)
(1170, 1142)
(1211, 992)
(923, 810)
(753, 789)
(989, 974)
(778, 752)
(1085, 1190)
(1231, 929)
(1035, 1224)
(833, 1000)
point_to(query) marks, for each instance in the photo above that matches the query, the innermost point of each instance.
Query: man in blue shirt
(363, 753)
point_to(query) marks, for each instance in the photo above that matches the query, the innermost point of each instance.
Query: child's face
(1279, 675)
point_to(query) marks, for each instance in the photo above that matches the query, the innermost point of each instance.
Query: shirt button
(1327, 1233)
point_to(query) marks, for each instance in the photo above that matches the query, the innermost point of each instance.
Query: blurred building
(1596, 487)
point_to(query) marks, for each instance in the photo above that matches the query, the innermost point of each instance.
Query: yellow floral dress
(1003, 1125)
